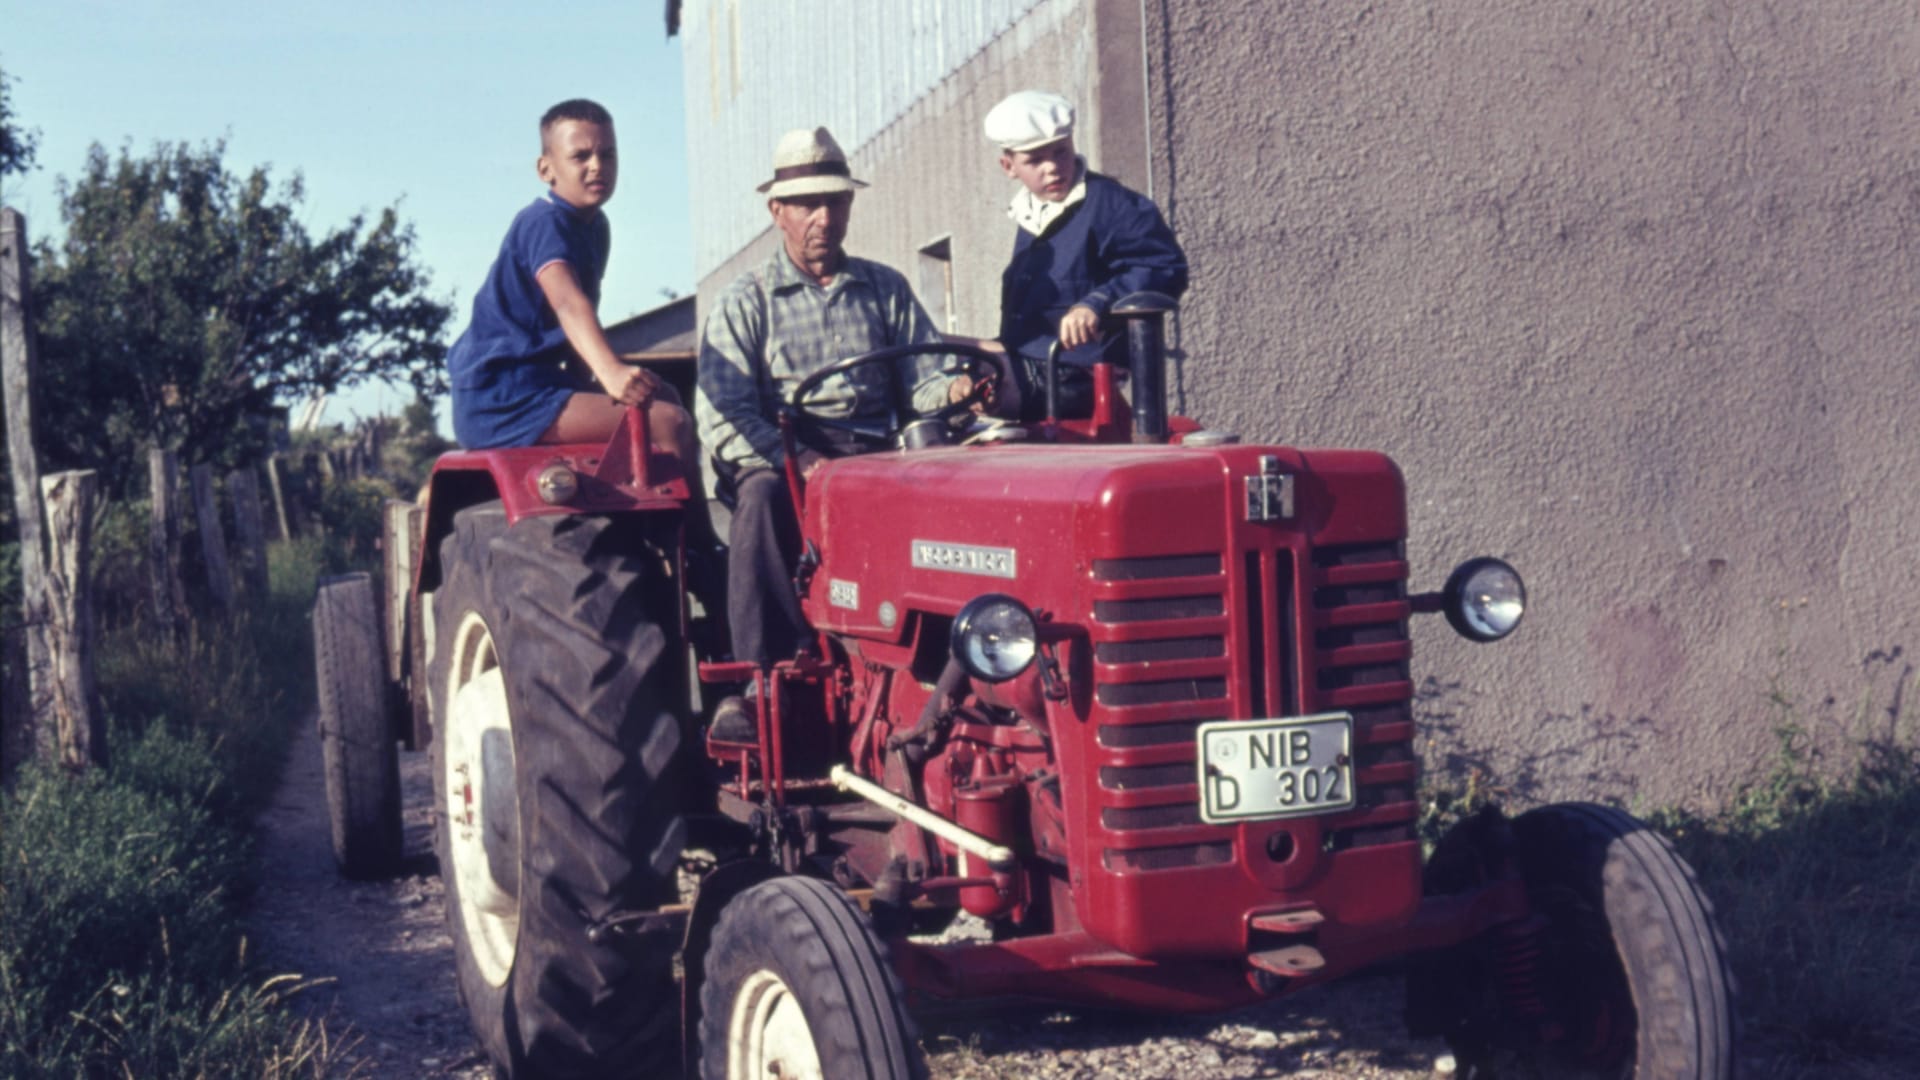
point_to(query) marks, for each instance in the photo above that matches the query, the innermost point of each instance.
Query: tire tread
(580, 622)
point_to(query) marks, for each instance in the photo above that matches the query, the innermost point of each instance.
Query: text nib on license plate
(1254, 769)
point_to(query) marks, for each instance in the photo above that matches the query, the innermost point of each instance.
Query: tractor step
(1289, 962)
(1303, 921)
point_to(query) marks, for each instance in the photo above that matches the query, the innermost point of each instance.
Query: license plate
(1253, 769)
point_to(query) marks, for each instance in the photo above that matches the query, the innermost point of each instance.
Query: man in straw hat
(1083, 241)
(808, 305)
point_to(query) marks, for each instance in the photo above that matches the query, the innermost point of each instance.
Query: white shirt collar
(1037, 215)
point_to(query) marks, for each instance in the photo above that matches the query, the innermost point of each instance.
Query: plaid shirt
(774, 326)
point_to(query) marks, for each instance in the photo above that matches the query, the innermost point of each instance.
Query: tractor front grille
(1160, 634)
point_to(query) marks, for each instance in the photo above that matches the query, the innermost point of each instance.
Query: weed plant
(120, 948)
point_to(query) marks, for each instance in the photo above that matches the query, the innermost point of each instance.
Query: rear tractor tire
(1625, 974)
(556, 746)
(798, 987)
(359, 756)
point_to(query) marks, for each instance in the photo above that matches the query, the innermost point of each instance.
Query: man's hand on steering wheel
(977, 396)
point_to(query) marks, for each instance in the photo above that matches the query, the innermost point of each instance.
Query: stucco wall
(1632, 292)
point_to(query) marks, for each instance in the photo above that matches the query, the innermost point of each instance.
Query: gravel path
(385, 945)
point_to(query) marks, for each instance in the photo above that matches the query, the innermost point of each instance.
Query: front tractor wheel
(1621, 974)
(555, 748)
(797, 987)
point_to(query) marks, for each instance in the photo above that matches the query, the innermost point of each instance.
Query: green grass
(121, 888)
(1815, 871)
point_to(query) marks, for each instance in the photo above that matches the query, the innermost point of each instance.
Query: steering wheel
(984, 366)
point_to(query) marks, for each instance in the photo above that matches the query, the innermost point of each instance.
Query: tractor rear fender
(536, 480)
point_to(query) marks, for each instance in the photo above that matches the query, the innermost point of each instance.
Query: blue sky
(430, 103)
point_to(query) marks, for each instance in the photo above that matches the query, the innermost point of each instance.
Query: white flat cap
(808, 162)
(1029, 119)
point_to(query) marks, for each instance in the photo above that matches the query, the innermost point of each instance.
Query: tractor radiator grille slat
(1146, 652)
(1159, 609)
(1156, 566)
(1159, 693)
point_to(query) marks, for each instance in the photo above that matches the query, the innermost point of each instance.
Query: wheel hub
(768, 1035)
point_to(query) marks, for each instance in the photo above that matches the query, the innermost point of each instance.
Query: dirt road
(384, 942)
(386, 945)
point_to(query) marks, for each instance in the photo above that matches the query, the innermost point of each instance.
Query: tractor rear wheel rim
(477, 713)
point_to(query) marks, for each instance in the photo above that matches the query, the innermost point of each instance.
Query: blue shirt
(507, 371)
(1112, 243)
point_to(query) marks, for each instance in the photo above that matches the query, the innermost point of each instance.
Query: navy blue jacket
(1112, 243)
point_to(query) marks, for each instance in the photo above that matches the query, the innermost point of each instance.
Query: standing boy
(515, 371)
(1084, 241)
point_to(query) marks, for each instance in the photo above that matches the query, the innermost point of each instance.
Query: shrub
(103, 871)
(120, 953)
(352, 516)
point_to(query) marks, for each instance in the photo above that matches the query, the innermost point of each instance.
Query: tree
(186, 305)
(17, 144)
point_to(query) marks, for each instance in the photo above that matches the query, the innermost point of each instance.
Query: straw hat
(808, 163)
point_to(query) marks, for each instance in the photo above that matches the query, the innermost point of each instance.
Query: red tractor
(1134, 695)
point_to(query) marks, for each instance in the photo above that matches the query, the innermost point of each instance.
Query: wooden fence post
(25, 729)
(243, 490)
(398, 559)
(277, 487)
(163, 543)
(376, 444)
(406, 642)
(213, 539)
(78, 718)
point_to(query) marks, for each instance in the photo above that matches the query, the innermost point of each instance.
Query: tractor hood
(925, 531)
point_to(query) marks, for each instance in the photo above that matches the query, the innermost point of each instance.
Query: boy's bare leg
(593, 418)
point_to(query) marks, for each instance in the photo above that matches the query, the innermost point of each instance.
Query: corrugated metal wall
(757, 68)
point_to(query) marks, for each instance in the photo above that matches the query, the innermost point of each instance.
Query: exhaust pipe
(1145, 314)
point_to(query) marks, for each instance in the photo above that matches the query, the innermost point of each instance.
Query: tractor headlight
(556, 484)
(994, 637)
(1484, 599)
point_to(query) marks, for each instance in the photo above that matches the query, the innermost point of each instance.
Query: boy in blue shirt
(1083, 241)
(513, 384)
